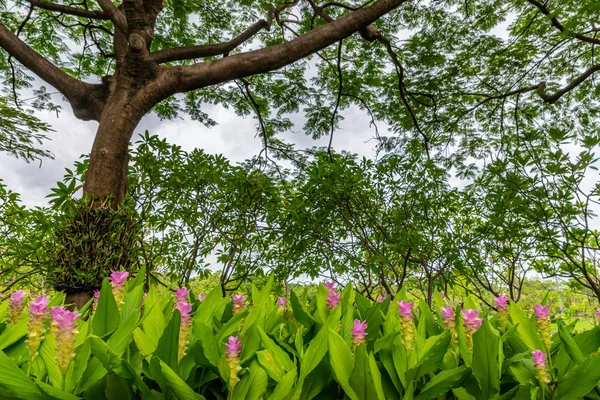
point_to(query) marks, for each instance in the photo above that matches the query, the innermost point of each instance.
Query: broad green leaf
(487, 360)
(526, 329)
(342, 364)
(579, 380)
(443, 382)
(105, 318)
(284, 387)
(569, 344)
(13, 380)
(180, 388)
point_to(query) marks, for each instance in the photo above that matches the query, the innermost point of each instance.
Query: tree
(143, 56)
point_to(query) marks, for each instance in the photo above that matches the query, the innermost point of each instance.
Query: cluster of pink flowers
(597, 313)
(96, 298)
(359, 333)
(541, 367)
(381, 299)
(502, 307)
(239, 302)
(117, 281)
(472, 322)
(63, 323)
(406, 323)
(542, 316)
(15, 306)
(233, 350)
(185, 309)
(38, 312)
(282, 302)
(449, 318)
(333, 298)
(201, 297)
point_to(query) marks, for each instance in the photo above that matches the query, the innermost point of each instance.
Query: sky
(234, 137)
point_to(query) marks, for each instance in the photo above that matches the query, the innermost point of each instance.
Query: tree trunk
(106, 177)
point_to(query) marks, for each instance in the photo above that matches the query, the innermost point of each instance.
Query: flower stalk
(233, 350)
(407, 325)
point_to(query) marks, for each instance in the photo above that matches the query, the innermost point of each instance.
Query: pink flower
(96, 295)
(541, 367)
(38, 310)
(239, 302)
(39, 305)
(448, 314)
(184, 309)
(181, 294)
(332, 300)
(381, 299)
(597, 313)
(201, 297)
(541, 312)
(472, 322)
(501, 302)
(16, 298)
(233, 348)
(442, 295)
(359, 333)
(405, 309)
(65, 328)
(282, 302)
(15, 306)
(117, 278)
(329, 285)
(539, 358)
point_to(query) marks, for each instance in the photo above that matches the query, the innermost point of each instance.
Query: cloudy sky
(234, 137)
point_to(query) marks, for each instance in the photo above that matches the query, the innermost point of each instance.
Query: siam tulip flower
(117, 281)
(542, 315)
(233, 350)
(381, 299)
(181, 295)
(541, 367)
(597, 313)
(239, 302)
(502, 306)
(96, 298)
(332, 300)
(406, 323)
(472, 322)
(15, 306)
(201, 297)
(185, 309)
(329, 285)
(63, 321)
(449, 318)
(359, 333)
(38, 311)
(282, 302)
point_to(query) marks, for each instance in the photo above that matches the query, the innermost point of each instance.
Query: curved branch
(191, 52)
(180, 79)
(576, 82)
(76, 12)
(84, 97)
(558, 25)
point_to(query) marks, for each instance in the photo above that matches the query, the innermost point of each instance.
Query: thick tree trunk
(107, 171)
(106, 177)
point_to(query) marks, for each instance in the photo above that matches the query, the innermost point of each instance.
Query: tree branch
(180, 79)
(76, 12)
(576, 82)
(191, 52)
(115, 15)
(558, 25)
(85, 98)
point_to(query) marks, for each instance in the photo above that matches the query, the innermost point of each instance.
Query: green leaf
(443, 382)
(487, 360)
(284, 387)
(580, 380)
(13, 333)
(569, 344)
(429, 356)
(180, 388)
(53, 393)
(104, 320)
(342, 364)
(167, 349)
(13, 380)
(526, 329)
(300, 313)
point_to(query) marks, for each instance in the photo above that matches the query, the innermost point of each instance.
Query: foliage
(303, 350)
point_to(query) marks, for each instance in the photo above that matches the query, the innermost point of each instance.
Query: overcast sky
(234, 137)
